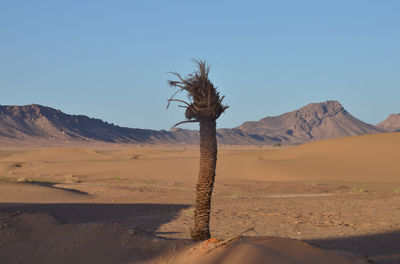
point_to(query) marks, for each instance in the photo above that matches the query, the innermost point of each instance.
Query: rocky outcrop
(391, 124)
(315, 121)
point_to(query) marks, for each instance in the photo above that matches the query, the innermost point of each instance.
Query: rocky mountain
(36, 124)
(391, 124)
(314, 121)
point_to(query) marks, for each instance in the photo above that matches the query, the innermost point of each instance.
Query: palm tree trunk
(205, 184)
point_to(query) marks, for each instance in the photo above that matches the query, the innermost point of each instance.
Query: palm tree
(204, 106)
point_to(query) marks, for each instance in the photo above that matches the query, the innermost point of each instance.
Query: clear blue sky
(109, 59)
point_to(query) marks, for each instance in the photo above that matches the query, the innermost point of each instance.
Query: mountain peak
(391, 124)
(313, 121)
(32, 111)
(329, 107)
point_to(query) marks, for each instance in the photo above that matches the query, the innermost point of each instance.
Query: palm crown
(204, 100)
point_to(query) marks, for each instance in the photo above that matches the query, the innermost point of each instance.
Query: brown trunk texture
(205, 184)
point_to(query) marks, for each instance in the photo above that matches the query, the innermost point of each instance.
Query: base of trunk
(199, 235)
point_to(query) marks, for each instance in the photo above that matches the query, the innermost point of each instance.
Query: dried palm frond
(204, 100)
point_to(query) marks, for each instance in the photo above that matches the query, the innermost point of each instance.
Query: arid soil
(135, 205)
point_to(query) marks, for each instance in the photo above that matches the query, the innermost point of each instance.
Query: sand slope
(40, 238)
(303, 192)
(371, 158)
(265, 250)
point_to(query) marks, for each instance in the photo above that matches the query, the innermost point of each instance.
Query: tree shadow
(51, 185)
(383, 248)
(97, 233)
(145, 220)
(146, 217)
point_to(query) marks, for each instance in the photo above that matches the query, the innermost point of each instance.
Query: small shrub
(150, 182)
(190, 212)
(358, 190)
(25, 180)
(236, 195)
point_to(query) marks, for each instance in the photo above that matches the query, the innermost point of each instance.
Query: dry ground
(339, 194)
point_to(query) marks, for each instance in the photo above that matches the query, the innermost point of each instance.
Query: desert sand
(135, 204)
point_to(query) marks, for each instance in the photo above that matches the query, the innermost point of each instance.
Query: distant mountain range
(41, 125)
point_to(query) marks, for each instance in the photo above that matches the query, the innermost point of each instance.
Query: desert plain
(134, 204)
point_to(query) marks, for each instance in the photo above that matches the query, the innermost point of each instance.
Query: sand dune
(269, 250)
(112, 243)
(55, 154)
(340, 193)
(371, 158)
